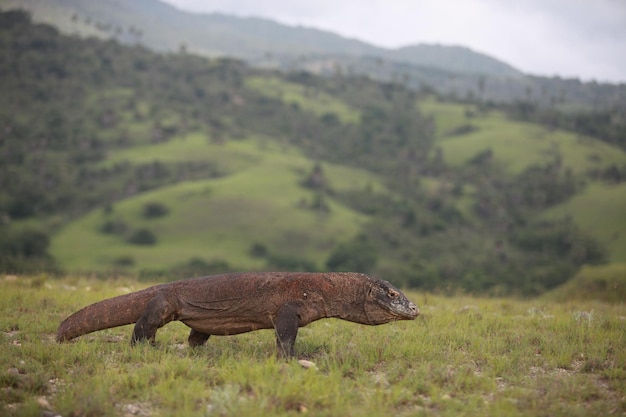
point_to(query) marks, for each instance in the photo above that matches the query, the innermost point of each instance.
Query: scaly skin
(236, 303)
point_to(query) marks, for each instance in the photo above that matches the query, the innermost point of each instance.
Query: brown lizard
(241, 302)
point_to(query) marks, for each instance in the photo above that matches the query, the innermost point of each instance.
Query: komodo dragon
(241, 302)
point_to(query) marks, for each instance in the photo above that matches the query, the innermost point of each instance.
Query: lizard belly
(225, 326)
(224, 319)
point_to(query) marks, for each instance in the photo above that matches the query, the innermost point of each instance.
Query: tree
(154, 209)
(143, 237)
(358, 255)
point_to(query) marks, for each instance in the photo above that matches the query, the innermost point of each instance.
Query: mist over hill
(454, 71)
(166, 28)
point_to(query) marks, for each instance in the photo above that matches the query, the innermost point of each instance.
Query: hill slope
(220, 220)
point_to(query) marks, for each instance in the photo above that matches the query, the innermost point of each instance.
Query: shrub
(198, 267)
(154, 210)
(142, 237)
(124, 261)
(114, 227)
(290, 263)
(25, 251)
(194, 267)
(358, 255)
(258, 250)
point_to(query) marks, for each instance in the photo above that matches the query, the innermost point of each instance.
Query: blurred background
(478, 147)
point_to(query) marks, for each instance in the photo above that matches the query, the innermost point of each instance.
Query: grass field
(462, 357)
(261, 201)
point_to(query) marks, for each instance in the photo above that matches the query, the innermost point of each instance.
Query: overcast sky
(570, 38)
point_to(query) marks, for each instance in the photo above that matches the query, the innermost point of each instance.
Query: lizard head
(385, 303)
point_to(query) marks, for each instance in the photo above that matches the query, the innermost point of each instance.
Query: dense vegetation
(69, 106)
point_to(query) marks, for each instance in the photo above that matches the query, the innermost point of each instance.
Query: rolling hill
(261, 202)
(463, 132)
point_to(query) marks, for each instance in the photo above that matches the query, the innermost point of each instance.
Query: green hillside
(464, 132)
(260, 202)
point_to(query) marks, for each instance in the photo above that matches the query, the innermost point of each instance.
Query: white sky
(570, 38)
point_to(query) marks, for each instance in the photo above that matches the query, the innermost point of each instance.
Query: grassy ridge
(219, 219)
(463, 356)
(515, 145)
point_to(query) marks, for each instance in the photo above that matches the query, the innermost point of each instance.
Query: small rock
(306, 364)
(380, 378)
(13, 371)
(10, 277)
(43, 403)
(132, 409)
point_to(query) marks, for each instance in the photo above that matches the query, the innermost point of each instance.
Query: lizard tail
(113, 312)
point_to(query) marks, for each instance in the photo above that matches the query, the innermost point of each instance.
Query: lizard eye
(392, 293)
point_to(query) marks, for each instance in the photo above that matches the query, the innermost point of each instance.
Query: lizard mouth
(403, 311)
(410, 312)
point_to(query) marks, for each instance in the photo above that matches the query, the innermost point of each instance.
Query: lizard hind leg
(286, 328)
(159, 311)
(197, 338)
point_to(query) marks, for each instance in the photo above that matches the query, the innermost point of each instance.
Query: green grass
(307, 99)
(261, 201)
(448, 116)
(515, 145)
(600, 211)
(462, 357)
(194, 147)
